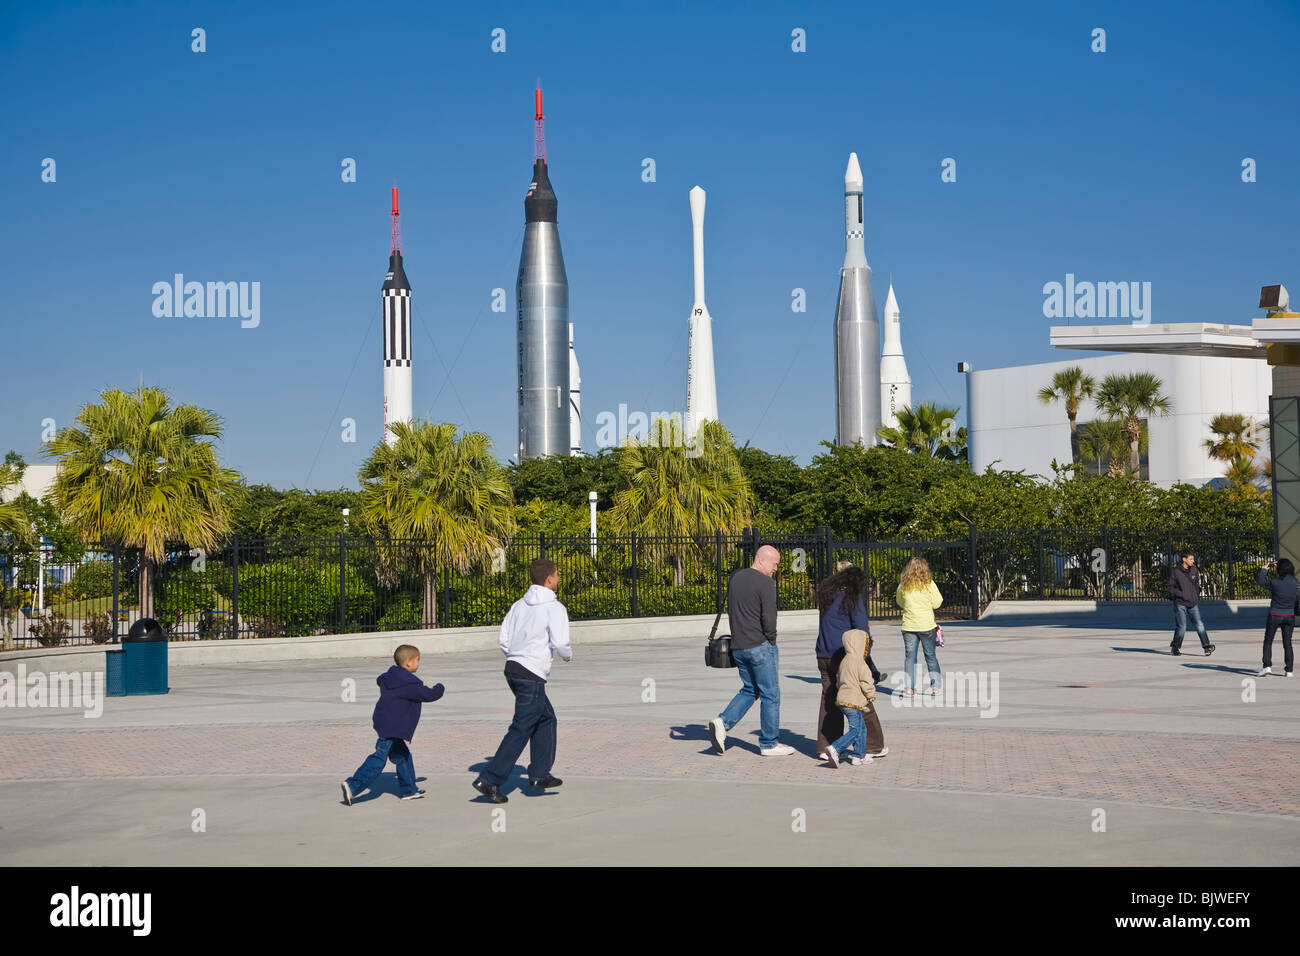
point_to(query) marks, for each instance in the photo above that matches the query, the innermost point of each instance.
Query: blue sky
(225, 166)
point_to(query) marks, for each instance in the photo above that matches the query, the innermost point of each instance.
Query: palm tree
(137, 472)
(447, 494)
(1069, 385)
(927, 430)
(674, 489)
(1104, 441)
(1236, 443)
(1128, 398)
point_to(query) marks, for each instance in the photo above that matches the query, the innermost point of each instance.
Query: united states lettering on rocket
(895, 383)
(857, 331)
(396, 315)
(542, 294)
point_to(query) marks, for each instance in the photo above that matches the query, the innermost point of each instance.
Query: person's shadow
(1224, 668)
(1144, 650)
(385, 785)
(516, 780)
(700, 732)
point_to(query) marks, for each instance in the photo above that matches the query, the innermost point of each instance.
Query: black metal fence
(297, 587)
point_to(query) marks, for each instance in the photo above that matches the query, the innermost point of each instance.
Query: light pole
(965, 368)
(346, 512)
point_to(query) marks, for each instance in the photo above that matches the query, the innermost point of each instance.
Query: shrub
(50, 629)
(99, 627)
(403, 614)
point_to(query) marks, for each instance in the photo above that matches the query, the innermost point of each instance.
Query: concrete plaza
(1094, 723)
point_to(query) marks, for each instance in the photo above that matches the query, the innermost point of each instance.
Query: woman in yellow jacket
(918, 596)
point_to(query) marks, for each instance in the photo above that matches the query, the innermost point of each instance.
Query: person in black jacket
(1284, 590)
(1185, 591)
(401, 696)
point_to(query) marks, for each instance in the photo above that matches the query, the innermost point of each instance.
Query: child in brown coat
(857, 693)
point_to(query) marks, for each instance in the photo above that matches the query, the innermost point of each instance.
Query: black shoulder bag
(717, 652)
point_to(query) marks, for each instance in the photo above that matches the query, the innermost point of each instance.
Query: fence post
(1105, 561)
(234, 589)
(541, 544)
(717, 571)
(343, 591)
(634, 588)
(974, 575)
(116, 589)
(1232, 570)
(1039, 552)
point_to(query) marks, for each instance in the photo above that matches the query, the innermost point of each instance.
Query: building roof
(1175, 338)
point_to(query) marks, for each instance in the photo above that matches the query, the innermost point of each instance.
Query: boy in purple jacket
(401, 694)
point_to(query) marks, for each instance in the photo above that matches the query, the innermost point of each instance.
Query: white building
(1011, 429)
(37, 481)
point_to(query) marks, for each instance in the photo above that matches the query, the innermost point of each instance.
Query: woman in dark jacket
(841, 599)
(1284, 589)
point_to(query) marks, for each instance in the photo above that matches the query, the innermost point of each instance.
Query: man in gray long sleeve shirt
(751, 611)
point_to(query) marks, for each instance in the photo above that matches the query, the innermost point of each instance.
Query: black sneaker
(548, 783)
(1175, 651)
(1209, 649)
(493, 793)
(413, 796)
(883, 675)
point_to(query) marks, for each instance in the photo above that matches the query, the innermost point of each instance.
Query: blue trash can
(144, 658)
(114, 679)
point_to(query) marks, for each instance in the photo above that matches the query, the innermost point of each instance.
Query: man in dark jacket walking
(1185, 591)
(401, 697)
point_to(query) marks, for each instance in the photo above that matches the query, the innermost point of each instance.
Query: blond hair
(916, 575)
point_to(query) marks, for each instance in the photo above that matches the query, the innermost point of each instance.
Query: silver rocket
(542, 294)
(895, 383)
(701, 383)
(857, 331)
(396, 314)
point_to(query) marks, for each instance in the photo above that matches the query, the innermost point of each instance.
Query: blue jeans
(534, 725)
(855, 738)
(759, 681)
(925, 639)
(1181, 614)
(386, 748)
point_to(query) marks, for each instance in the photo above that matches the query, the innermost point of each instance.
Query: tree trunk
(1134, 436)
(1074, 439)
(679, 571)
(144, 588)
(429, 617)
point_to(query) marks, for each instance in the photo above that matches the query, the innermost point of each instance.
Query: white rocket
(895, 383)
(701, 385)
(575, 400)
(857, 333)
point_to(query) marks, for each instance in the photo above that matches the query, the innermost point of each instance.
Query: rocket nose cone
(853, 174)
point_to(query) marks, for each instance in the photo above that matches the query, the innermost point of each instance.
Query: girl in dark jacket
(1284, 590)
(841, 599)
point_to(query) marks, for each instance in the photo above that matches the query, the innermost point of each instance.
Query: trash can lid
(145, 629)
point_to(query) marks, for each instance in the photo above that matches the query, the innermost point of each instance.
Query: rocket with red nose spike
(396, 315)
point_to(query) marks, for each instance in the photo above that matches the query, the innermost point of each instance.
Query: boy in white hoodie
(536, 626)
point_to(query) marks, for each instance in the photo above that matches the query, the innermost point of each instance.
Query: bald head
(766, 560)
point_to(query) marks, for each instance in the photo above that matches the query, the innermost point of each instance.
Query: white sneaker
(718, 734)
(780, 750)
(1265, 672)
(1289, 674)
(859, 761)
(832, 757)
(879, 753)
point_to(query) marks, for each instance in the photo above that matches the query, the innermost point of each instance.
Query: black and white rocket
(857, 331)
(396, 314)
(542, 294)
